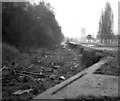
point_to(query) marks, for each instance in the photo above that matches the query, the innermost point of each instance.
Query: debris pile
(41, 70)
(38, 72)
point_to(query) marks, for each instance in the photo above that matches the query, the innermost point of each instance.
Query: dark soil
(39, 71)
(110, 68)
(42, 69)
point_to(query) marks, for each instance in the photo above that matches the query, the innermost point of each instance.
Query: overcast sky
(72, 15)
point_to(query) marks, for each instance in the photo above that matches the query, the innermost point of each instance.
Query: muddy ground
(42, 69)
(110, 68)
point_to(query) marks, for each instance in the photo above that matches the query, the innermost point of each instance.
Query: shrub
(9, 53)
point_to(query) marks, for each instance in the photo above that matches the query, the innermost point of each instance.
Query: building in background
(83, 35)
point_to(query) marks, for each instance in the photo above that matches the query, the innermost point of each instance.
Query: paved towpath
(85, 83)
(101, 48)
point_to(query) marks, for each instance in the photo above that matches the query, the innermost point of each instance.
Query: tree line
(30, 25)
(105, 31)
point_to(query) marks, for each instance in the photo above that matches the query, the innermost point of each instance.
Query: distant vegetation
(105, 33)
(89, 38)
(25, 25)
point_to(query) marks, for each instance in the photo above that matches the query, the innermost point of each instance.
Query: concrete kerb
(50, 92)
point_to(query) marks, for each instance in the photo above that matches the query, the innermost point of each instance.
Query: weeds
(9, 53)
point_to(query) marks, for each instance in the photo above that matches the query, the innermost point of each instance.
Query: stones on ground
(52, 77)
(76, 65)
(52, 63)
(42, 68)
(24, 79)
(71, 68)
(39, 61)
(40, 80)
(49, 70)
(55, 67)
(74, 59)
(61, 78)
(41, 75)
(19, 92)
(30, 66)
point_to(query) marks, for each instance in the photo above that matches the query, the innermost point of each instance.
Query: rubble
(62, 78)
(52, 77)
(42, 70)
(19, 92)
(55, 67)
(109, 68)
